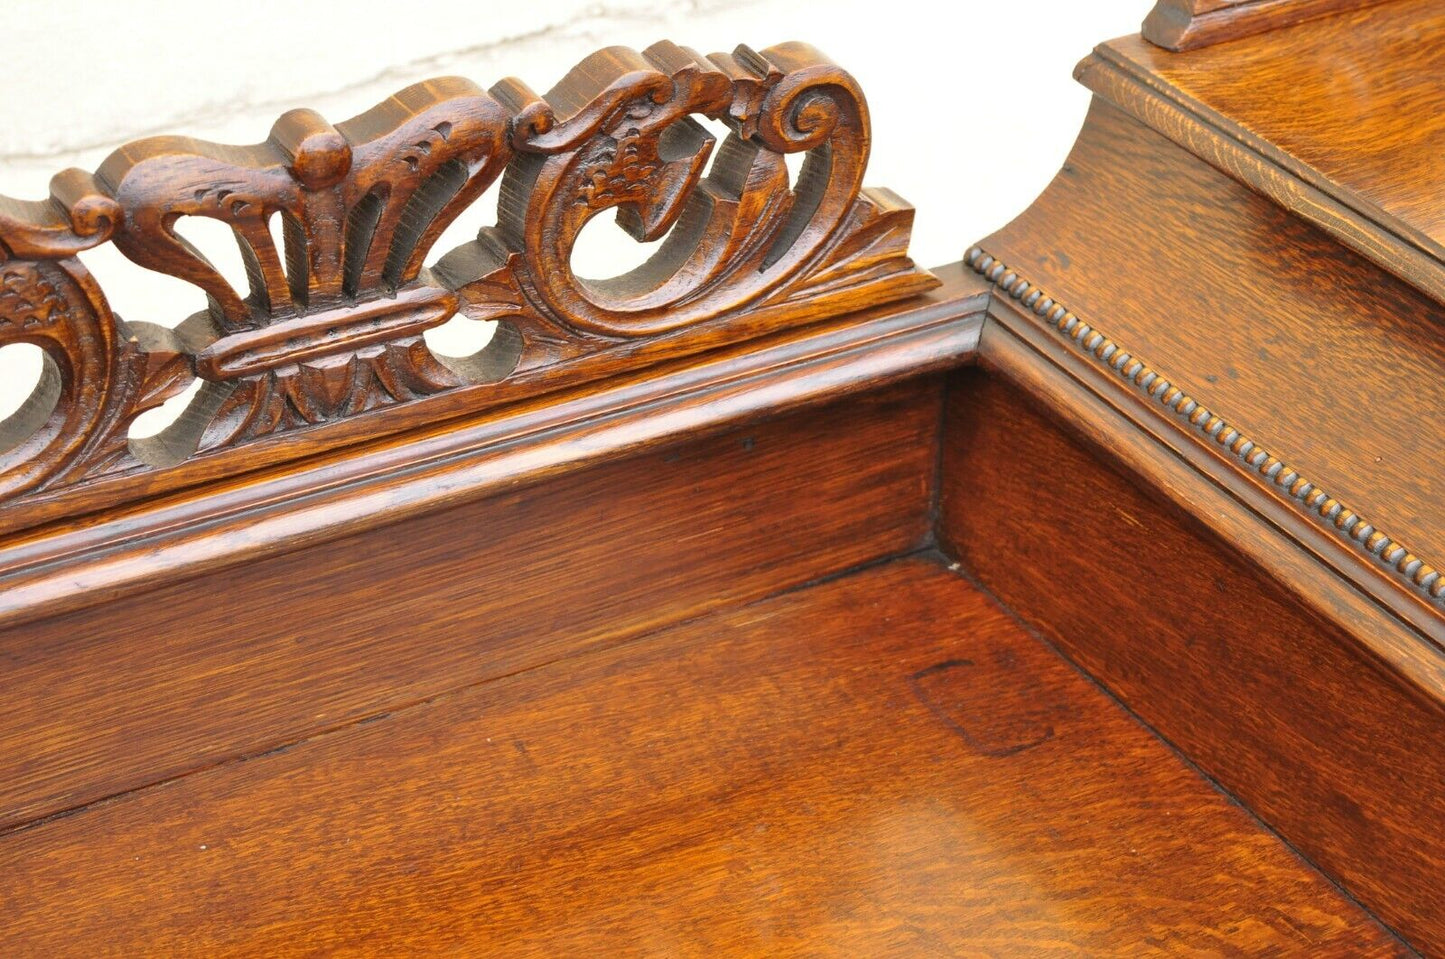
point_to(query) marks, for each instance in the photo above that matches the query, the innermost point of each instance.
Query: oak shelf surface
(881, 764)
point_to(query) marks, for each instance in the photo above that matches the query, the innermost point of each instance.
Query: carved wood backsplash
(332, 324)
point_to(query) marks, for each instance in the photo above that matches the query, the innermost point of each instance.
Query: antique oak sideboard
(777, 597)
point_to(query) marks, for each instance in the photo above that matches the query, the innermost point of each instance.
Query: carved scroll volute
(333, 324)
(94, 374)
(616, 134)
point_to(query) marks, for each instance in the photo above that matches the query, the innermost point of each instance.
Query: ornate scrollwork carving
(333, 322)
(99, 373)
(618, 134)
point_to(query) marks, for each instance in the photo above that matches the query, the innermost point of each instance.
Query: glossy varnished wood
(881, 765)
(1309, 349)
(1237, 531)
(189, 673)
(594, 642)
(1138, 576)
(324, 344)
(1339, 119)
(92, 558)
(1189, 24)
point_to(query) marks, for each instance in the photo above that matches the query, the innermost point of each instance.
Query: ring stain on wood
(964, 695)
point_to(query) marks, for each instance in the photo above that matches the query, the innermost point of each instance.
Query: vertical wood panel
(245, 660)
(1284, 709)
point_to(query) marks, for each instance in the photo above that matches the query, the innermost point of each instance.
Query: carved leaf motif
(867, 252)
(334, 323)
(151, 376)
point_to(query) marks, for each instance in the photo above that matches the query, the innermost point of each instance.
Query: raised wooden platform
(881, 764)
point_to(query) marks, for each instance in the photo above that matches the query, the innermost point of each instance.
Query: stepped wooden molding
(333, 324)
(1180, 25)
(1346, 176)
(1322, 508)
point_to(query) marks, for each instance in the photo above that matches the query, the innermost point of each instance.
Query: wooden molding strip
(93, 559)
(1180, 25)
(1243, 155)
(1316, 504)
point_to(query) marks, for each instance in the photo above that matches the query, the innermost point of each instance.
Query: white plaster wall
(973, 104)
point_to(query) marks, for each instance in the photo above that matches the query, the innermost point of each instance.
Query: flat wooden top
(1351, 103)
(885, 764)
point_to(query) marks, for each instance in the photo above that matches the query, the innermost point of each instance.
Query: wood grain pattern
(1300, 344)
(1272, 474)
(332, 324)
(1337, 119)
(1189, 24)
(881, 765)
(596, 642)
(1149, 593)
(99, 557)
(197, 671)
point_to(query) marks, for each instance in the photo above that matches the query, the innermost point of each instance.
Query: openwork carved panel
(332, 325)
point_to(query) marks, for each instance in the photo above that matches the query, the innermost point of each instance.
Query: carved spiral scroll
(56, 307)
(94, 378)
(737, 233)
(334, 320)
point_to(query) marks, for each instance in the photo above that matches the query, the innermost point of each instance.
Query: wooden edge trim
(43, 575)
(1417, 589)
(1173, 26)
(1267, 170)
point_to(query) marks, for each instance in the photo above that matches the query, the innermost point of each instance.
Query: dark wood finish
(332, 328)
(1337, 120)
(1190, 24)
(882, 765)
(1303, 347)
(165, 681)
(1282, 705)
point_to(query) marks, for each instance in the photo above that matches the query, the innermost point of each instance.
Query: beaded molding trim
(1327, 511)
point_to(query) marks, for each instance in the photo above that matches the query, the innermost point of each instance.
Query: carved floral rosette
(333, 324)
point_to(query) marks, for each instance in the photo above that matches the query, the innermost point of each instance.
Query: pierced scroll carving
(100, 373)
(333, 322)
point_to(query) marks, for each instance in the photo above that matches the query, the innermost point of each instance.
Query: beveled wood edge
(1171, 26)
(1118, 402)
(86, 562)
(1244, 156)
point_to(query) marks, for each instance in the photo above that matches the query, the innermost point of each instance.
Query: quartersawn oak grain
(1339, 119)
(388, 707)
(1190, 24)
(1301, 344)
(1286, 708)
(186, 674)
(1301, 670)
(885, 764)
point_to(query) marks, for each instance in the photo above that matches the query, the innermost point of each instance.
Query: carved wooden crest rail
(332, 325)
